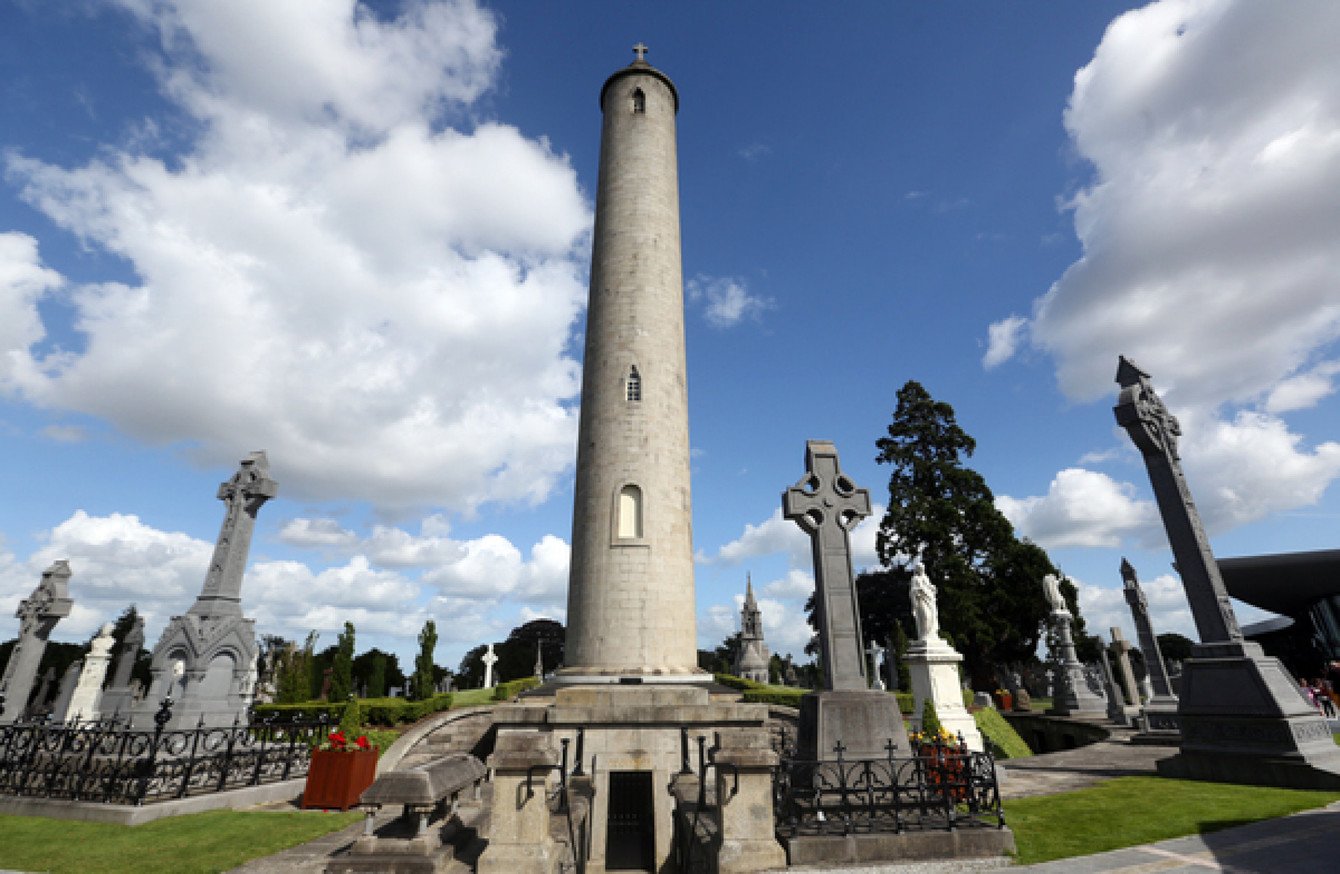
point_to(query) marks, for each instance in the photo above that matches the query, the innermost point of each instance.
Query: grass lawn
(201, 842)
(1137, 810)
(471, 698)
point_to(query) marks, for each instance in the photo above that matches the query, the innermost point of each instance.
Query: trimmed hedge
(775, 695)
(512, 688)
(375, 711)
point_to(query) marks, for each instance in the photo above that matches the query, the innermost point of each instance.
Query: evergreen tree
(342, 667)
(377, 677)
(900, 643)
(990, 582)
(293, 684)
(422, 684)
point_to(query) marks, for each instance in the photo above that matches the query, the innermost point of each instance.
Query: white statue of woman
(1052, 586)
(103, 643)
(924, 609)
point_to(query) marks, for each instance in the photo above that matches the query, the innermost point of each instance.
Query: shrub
(512, 688)
(775, 695)
(351, 718)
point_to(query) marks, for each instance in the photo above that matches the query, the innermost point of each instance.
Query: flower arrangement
(939, 735)
(340, 743)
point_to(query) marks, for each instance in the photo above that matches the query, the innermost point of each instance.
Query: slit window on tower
(634, 385)
(630, 513)
(639, 100)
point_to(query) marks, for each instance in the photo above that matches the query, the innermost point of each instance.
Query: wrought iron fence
(101, 762)
(941, 786)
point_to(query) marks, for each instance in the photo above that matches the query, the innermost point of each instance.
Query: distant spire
(748, 588)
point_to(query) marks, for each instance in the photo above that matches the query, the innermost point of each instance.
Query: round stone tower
(631, 609)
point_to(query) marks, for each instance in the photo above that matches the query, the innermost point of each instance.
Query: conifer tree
(422, 686)
(342, 668)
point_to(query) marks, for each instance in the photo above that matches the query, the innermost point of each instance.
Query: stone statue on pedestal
(1072, 695)
(934, 666)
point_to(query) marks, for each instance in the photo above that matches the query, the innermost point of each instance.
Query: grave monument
(38, 614)
(1124, 675)
(1071, 694)
(752, 661)
(88, 691)
(844, 711)
(1158, 716)
(489, 658)
(203, 659)
(631, 680)
(934, 666)
(1243, 719)
(1115, 710)
(120, 695)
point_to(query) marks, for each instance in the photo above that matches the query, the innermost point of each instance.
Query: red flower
(337, 740)
(361, 741)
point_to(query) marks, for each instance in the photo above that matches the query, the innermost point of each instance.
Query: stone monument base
(1073, 698)
(908, 846)
(632, 755)
(933, 666)
(1244, 721)
(1159, 723)
(862, 720)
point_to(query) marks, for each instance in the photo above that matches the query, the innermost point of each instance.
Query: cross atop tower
(641, 51)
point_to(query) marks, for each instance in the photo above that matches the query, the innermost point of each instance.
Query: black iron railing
(940, 786)
(103, 762)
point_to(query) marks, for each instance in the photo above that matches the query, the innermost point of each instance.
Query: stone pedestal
(1243, 720)
(933, 665)
(744, 793)
(864, 721)
(633, 731)
(1072, 696)
(519, 841)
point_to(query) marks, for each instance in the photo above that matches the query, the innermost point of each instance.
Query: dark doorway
(630, 833)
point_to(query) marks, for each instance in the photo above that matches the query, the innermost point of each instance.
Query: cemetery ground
(1109, 814)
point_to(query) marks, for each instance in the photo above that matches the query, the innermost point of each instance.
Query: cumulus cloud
(1213, 128)
(1003, 339)
(338, 268)
(726, 301)
(778, 535)
(1081, 508)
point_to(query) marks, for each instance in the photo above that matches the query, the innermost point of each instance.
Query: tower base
(1244, 721)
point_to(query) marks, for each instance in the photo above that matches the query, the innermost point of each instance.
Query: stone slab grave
(1243, 719)
(827, 505)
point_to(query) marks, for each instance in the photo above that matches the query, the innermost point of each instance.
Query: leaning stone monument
(37, 614)
(631, 681)
(752, 662)
(1158, 717)
(203, 659)
(1243, 718)
(88, 691)
(933, 664)
(120, 695)
(845, 711)
(1072, 695)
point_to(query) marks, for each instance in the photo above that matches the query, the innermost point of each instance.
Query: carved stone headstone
(1115, 711)
(1242, 717)
(37, 614)
(827, 506)
(68, 681)
(1125, 673)
(88, 691)
(203, 660)
(1159, 714)
(934, 666)
(118, 697)
(1071, 694)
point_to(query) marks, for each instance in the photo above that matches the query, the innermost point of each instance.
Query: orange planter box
(335, 779)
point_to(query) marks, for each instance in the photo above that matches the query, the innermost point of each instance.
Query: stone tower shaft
(631, 609)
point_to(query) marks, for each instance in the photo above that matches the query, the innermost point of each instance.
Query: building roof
(1287, 583)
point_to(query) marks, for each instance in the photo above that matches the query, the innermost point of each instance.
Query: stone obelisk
(203, 660)
(631, 609)
(1243, 718)
(37, 614)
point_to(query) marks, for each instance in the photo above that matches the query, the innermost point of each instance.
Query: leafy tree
(143, 658)
(293, 676)
(422, 684)
(900, 643)
(376, 671)
(989, 581)
(727, 654)
(516, 654)
(342, 666)
(1175, 647)
(470, 674)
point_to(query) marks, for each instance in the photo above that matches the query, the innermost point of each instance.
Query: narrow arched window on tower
(630, 513)
(634, 385)
(639, 100)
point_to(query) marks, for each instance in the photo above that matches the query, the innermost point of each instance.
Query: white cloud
(1214, 131)
(1003, 339)
(777, 535)
(726, 301)
(1105, 607)
(1081, 508)
(331, 271)
(1303, 390)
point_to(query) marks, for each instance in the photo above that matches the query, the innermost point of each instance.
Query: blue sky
(358, 238)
